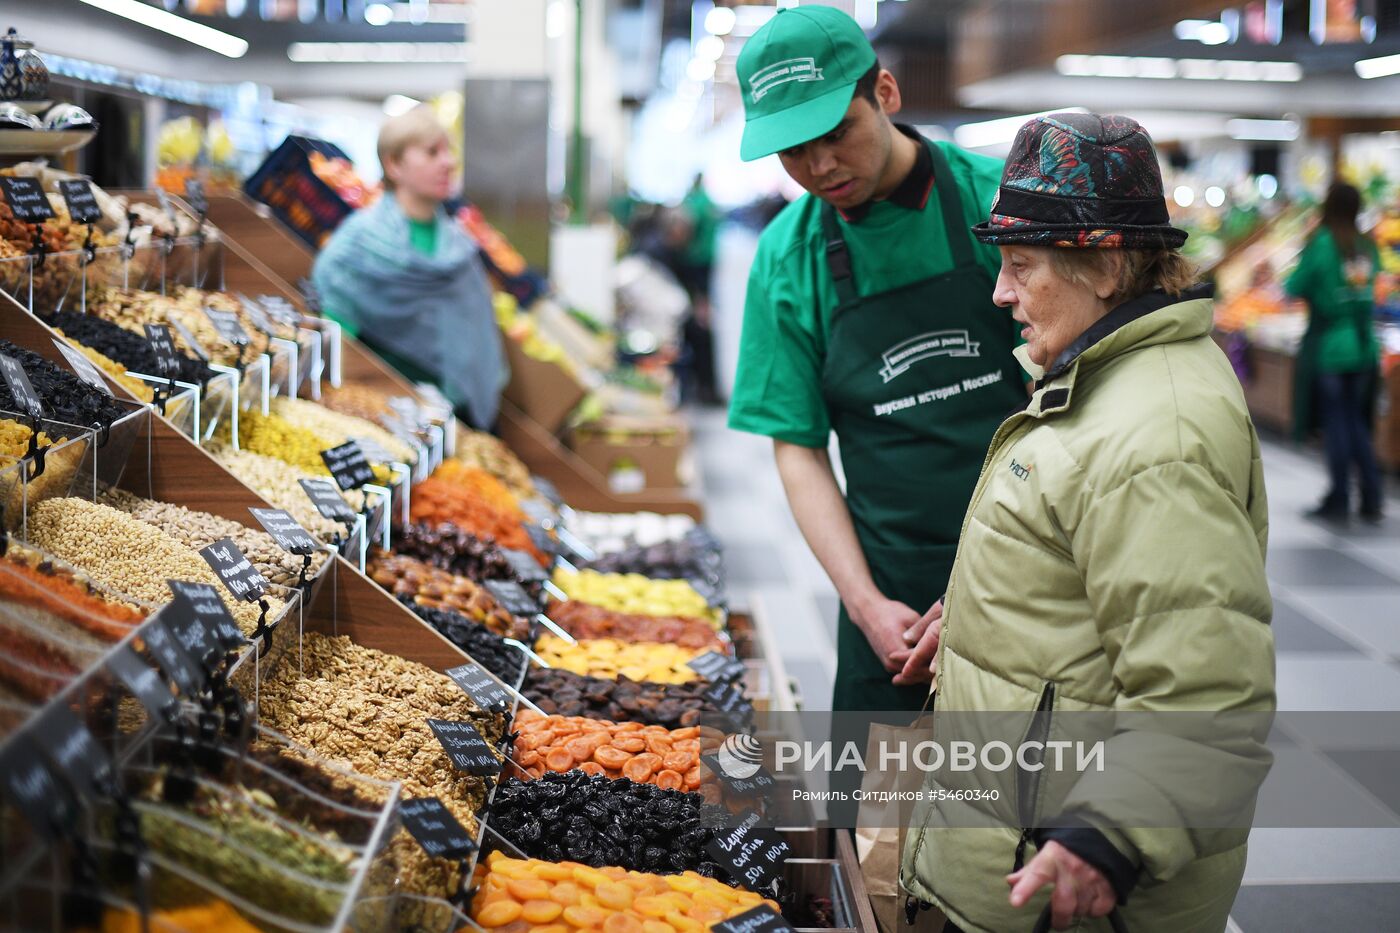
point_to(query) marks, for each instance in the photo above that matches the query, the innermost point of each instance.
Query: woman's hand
(1080, 890)
(921, 658)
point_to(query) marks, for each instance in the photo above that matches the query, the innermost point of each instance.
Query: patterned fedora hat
(1081, 179)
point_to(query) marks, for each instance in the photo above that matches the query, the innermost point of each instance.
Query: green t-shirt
(422, 235)
(1341, 297)
(791, 296)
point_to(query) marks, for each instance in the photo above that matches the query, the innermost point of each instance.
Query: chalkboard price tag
(163, 345)
(82, 203)
(752, 855)
(226, 323)
(234, 569)
(547, 489)
(716, 667)
(328, 500)
(348, 465)
(33, 789)
(144, 682)
(435, 828)
(541, 539)
(756, 779)
(285, 530)
(760, 919)
(202, 601)
(195, 197)
(77, 755)
(537, 510)
(160, 641)
(485, 690)
(513, 598)
(82, 366)
(466, 747)
(195, 346)
(525, 567)
(20, 386)
(27, 199)
(257, 315)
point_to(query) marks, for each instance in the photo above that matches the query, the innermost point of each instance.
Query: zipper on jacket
(1028, 783)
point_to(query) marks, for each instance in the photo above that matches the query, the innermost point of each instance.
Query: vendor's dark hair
(865, 85)
(1339, 210)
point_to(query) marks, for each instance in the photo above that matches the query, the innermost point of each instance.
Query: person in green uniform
(1339, 357)
(869, 313)
(404, 278)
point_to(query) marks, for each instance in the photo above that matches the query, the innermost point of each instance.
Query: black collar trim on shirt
(1119, 317)
(913, 192)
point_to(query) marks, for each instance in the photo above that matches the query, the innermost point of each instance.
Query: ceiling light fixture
(379, 53)
(379, 14)
(1270, 130)
(1381, 67)
(1194, 69)
(206, 36)
(1000, 131)
(397, 104)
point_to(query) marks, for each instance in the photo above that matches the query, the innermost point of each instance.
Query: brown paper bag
(880, 831)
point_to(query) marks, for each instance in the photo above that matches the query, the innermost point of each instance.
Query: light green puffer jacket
(1112, 559)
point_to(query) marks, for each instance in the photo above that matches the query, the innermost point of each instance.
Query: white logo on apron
(901, 356)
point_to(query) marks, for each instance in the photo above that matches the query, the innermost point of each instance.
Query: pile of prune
(446, 546)
(121, 345)
(597, 821)
(808, 911)
(66, 397)
(674, 706)
(486, 647)
(694, 557)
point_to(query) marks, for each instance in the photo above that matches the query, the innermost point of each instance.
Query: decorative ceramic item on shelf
(11, 75)
(15, 117)
(68, 117)
(35, 74)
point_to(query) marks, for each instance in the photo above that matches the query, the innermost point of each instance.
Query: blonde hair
(1141, 270)
(418, 127)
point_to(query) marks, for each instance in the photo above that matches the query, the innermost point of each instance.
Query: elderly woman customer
(1111, 562)
(403, 277)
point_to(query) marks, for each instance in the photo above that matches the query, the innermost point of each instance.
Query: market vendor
(406, 280)
(869, 312)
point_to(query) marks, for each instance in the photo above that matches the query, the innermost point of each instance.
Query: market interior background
(583, 127)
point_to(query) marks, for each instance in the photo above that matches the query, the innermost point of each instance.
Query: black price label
(760, 919)
(716, 667)
(27, 199)
(328, 500)
(82, 203)
(77, 755)
(752, 855)
(468, 749)
(348, 465)
(192, 635)
(435, 828)
(202, 602)
(486, 691)
(285, 530)
(234, 570)
(144, 682)
(541, 539)
(82, 366)
(194, 196)
(256, 315)
(20, 386)
(160, 641)
(226, 323)
(547, 489)
(33, 788)
(525, 566)
(195, 346)
(163, 345)
(537, 510)
(513, 598)
(740, 776)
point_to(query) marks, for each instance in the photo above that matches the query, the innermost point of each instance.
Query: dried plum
(122, 346)
(66, 397)
(566, 693)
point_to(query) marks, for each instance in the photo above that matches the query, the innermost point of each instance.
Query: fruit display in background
(634, 593)
(622, 700)
(609, 658)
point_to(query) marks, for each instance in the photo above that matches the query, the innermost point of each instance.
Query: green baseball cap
(798, 75)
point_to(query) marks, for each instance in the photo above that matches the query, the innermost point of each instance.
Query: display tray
(44, 142)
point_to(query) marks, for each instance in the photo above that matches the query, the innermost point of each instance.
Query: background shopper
(1339, 358)
(868, 313)
(1112, 561)
(403, 277)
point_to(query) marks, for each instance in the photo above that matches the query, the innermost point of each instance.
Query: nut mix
(277, 482)
(517, 895)
(608, 657)
(425, 585)
(622, 700)
(583, 620)
(127, 554)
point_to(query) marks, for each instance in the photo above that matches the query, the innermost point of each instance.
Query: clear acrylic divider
(65, 467)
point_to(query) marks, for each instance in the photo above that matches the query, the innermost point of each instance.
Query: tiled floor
(1336, 627)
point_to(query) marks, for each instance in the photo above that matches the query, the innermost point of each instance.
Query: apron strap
(955, 226)
(838, 257)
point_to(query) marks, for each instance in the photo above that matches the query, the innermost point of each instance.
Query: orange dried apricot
(498, 913)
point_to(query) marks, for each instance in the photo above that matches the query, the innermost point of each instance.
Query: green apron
(916, 381)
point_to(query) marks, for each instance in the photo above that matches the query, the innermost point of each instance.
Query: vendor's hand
(884, 623)
(921, 660)
(1080, 890)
